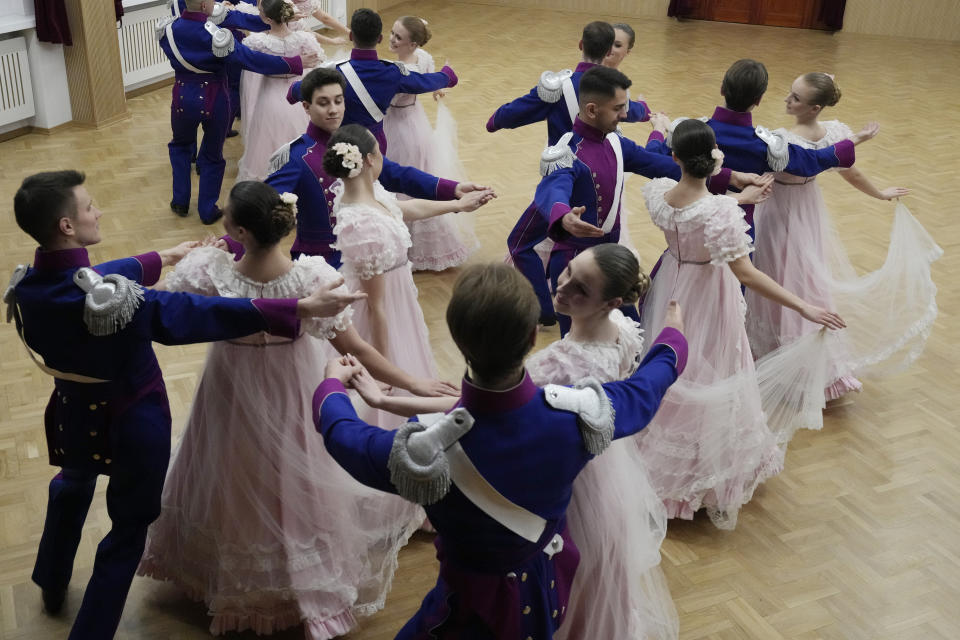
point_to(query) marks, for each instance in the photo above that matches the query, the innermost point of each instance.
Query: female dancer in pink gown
(445, 241)
(373, 241)
(710, 444)
(269, 120)
(257, 520)
(890, 311)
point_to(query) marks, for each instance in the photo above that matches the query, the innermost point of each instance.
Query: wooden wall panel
(931, 19)
(93, 66)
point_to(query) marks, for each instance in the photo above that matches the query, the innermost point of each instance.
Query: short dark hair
(354, 134)
(693, 142)
(43, 199)
(367, 27)
(318, 78)
(493, 311)
(257, 207)
(744, 84)
(627, 29)
(597, 40)
(601, 82)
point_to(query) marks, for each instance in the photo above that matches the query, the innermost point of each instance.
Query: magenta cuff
(845, 153)
(296, 65)
(677, 342)
(719, 183)
(280, 314)
(327, 387)
(655, 135)
(446, 189)
(447, 71)
(491, 125)
(151, 265)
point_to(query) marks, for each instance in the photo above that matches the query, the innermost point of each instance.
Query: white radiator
(16, 92)
(142, 58)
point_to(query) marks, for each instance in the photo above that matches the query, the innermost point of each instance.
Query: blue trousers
(205, 104)
(530, 231)
(141, 453)
(559, 259)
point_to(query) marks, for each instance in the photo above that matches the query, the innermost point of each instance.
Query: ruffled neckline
(666, 216)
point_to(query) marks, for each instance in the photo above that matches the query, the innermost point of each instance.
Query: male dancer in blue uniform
(555, 98)
(297, 167)
(109, 413)
(200, 53)
(578, 201)
(496, 474)
(372, 83)
(757, 149)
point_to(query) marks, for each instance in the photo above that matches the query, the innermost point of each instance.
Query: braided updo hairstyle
(417, 28)
(826, 93)
(278, 10)
(622, 273)
(354, 134)
(693, 142)
(257, 207)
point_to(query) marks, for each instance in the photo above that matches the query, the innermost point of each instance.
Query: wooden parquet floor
(856, 540)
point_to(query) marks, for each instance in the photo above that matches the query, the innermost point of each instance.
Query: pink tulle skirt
(258, 521)
(443, 241)
(268, 122)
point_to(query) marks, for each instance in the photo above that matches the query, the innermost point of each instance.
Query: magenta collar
(588, 131)
(196, 16)
(317, 134)
(480, 400)
(585, 66)
(364, 54)
(739, 118)
(61, 260)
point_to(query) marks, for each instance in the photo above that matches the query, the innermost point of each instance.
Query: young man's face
(610, 112)
(326, 107)
(84, 225)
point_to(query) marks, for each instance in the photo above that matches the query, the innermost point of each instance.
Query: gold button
(594, 174)
(551, 584)
(103, 403)
(600, 198)
(93, 433)
(523, 577)
(555, 613)
(108, 460)
(96, 456)
(64, 399)
(61, 427)
(526, 610)
(93, 407)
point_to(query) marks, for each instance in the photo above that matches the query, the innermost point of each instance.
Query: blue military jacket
(298, 168)
(532, 108)
(591, 182)
(383, 79)
(204, 58)
(530, 453)
(50, 309)
(222, 17)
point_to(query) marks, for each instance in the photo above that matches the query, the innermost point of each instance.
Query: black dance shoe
(233, 133)
(181, 210)
(217, 214)
(53, 600)
(547, 321)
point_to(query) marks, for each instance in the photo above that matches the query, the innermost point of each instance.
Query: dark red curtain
(680, 8)
(52, 24)
(831, 13)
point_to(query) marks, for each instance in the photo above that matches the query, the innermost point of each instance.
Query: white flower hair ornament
(717, 156)
(289, 199)
(350, 157)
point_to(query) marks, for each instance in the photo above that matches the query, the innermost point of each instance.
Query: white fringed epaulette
(418, 464)
(8, 296)
(161, 27)
(595, 413)
(668, 139)
(221, 40)
(778, 152)
(218, 14)
(280, 157)
(558, 156)
(550, 87)
(111, 301)
(402, 67)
